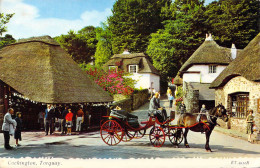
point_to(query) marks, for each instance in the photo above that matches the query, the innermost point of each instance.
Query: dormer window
(212, 69)
(133, 68)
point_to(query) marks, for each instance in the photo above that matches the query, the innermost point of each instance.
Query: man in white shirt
(8, 122)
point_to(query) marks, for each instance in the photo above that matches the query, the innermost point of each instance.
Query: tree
(81, 45)
(132, 23)
(232, 21)
(104, 47)
(170, 47)
(8, 39)
(4, 19)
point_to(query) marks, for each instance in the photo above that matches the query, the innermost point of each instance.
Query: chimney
(126, 51)
(208, 37)
(233, 51)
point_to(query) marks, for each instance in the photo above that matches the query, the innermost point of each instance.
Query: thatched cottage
(238, 86)
(204, 65)
(39, 70)
(139, 66)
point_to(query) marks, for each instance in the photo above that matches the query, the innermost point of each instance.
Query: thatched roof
(123, 60)
(209, 53)
(247, 64)
(41, 70)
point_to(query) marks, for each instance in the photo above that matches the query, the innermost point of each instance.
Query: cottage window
(239, 105)
(133, 68)
(212, 69)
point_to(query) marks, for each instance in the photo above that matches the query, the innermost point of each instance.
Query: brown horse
(189, 121)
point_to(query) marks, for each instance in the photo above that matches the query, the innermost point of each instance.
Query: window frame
(212, 69)
(136, 68)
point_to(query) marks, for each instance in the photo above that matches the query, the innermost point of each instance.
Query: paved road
(90, 145)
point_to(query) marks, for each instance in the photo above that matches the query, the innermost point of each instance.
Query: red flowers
(179, 99)
(112, 81)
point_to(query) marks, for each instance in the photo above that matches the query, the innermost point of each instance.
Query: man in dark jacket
(63, 120)
(50, 115)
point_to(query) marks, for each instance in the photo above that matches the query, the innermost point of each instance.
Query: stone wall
(190, 98)
(240, 84)
(140, 98)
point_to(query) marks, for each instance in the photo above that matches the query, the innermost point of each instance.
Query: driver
(154, 102)
(155, 108)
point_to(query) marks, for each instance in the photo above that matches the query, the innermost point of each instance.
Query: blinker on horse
(207, 125)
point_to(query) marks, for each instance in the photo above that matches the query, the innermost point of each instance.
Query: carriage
(123, 126)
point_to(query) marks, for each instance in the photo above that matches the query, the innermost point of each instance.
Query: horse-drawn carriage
(123, 126)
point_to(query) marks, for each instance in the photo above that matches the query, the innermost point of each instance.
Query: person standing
(79, 119)
(169, 92)
(63, 120)
(182, 107)
(49, 116)
(7, 124)
(68, 118)
(41, 119)
(249, 128)
(171, 98)
(18, 130)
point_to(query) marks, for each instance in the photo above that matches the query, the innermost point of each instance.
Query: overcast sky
(54, 17)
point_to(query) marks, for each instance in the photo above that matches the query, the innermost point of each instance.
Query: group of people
(12, 127)
(62, 119)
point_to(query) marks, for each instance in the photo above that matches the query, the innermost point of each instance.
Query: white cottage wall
(204, 76)
(144, 80)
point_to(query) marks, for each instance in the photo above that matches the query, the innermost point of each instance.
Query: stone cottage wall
(240, 84)
(191, 98)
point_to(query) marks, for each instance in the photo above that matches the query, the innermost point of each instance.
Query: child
(17, 134)
(69, 121)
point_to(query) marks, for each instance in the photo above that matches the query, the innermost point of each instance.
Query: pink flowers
(112, 81)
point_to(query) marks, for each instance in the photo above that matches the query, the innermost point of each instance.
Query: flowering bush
(114, 81)
(179, 99)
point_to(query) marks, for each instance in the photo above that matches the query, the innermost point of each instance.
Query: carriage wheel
(111, 132)
(175, 136)
(140, 133)
(128, 135)
(157, 136)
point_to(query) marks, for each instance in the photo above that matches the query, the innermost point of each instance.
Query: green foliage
(232, 21)
(170, 47)
(81, 45)
(104, 47)
(132, 23)
(4, 19)
(8, 39)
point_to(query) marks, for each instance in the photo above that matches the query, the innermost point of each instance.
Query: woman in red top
(69, 121)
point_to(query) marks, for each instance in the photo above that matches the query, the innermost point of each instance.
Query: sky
(54, 17)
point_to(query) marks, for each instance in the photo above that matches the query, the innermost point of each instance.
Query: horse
(206, 124)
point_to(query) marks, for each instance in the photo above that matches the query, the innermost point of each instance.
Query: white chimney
(208, 37)
(126, 51)
(233, 51)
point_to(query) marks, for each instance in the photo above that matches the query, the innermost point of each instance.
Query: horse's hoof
(187, 146)
(208, 150)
